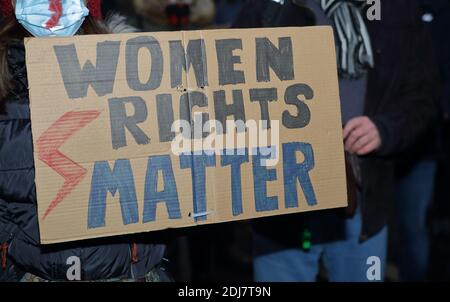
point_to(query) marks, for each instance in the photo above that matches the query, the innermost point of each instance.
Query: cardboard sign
(148, 131)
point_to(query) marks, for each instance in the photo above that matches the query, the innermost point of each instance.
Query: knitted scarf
(354, 48)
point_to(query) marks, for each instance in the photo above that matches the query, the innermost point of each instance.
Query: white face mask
(50, 18)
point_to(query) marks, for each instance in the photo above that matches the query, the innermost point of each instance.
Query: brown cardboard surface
(72, 135)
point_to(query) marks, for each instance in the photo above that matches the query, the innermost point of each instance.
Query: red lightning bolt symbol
(48, 146)
(55, 6)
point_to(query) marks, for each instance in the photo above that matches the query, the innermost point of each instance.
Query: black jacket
(399, 99)
(19, 233)
(439, 26)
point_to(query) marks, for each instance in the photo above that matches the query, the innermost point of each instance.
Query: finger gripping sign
(148, 131)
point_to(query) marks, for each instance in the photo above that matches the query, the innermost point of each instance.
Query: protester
(22, 256)
(158, 15)
(416, 263)
(387, 105)
(416, 171)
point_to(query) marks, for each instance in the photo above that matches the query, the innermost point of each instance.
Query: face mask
(51, 18)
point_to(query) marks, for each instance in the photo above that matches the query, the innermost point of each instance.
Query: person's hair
(12, 30)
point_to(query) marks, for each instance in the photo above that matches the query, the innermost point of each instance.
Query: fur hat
(201, 11)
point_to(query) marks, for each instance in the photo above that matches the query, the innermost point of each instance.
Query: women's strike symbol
(48, 146)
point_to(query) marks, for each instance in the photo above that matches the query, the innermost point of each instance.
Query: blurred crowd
(419, 219)
(395, 97)
(159, 15)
